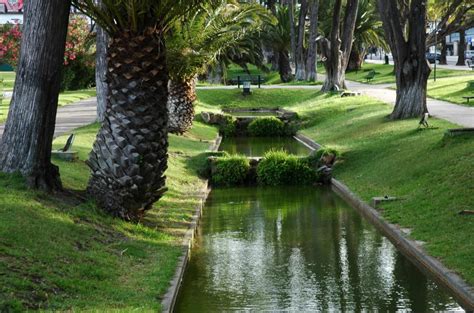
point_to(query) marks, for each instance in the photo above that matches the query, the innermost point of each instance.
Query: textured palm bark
(411, 67)
(284, 67)
(300, 53)
(182, 95)
(338, 49)
(311, 74)
(129, 156)
(27, 141)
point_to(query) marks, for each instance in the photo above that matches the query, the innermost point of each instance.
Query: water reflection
(298, 249)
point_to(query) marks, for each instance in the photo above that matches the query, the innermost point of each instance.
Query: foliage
(228, 127)
(280, 168)
(10, 41)
(266, 126)
(230, 170)
(368, 31)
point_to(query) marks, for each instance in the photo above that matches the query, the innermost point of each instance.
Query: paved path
(457, 114)
(72, 116)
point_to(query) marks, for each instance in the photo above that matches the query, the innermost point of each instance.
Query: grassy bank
(61, 253)
(65, 98)
(452, 89)
(433, 175)
(385, 75)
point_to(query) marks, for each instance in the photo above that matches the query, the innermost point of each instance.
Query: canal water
(257, 146)
(298, 249)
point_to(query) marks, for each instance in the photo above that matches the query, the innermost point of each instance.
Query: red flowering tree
(78, 57)
(10, 38)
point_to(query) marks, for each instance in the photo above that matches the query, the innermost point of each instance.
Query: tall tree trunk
(28, 137)
(102, 41)
(411, 67)
(300, 55)
(291, 13)
(182, 95)
(338, 50)
(355, 59)
(284, 67)
(311, 70)
(462, 48)
(129, 156)
(444, 50)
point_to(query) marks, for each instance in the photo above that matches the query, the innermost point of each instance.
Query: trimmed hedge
(280, 168)
(230, 170)
(266, 126)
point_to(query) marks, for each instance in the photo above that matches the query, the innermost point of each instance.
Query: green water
(299, 250)
(257, 146)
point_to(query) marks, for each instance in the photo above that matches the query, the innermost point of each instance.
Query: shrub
(266, 126)
(227, 127)
(280, 168)
(319, 157)
(230, 170)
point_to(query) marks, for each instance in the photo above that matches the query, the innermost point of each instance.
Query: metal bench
(370, 76)
(468, 97)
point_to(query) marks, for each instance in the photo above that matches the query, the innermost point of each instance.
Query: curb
(169, 299)
(461, 291)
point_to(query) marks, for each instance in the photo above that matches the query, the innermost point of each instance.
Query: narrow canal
(298, 249)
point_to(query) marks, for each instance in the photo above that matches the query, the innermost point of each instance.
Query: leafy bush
(280, 168)
(228, 128)
(78, 74)
(319, 157)
(266, 126)
(230, 170)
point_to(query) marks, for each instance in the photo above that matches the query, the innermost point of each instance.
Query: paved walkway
(72, 116)
(457, 114)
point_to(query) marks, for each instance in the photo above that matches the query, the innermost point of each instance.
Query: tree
(461, 48)
(337, 49)
(300, 50)
(278, 37)
(27, 141)
(102, 41)
(129, 156)
(311, 71)
(405, 31)
(368, 33)
(227, 33)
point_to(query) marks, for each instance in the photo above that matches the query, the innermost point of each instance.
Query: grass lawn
(384, 74)
(65, 98)
(452, 89)
(8, 80)
(435, 176)
(60, 253)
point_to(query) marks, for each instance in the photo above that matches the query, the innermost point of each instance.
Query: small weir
(296, 249)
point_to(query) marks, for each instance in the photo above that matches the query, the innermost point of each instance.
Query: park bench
(470, 64)
(66, 153)
(468, 97)
(253, 79)
(370, 76)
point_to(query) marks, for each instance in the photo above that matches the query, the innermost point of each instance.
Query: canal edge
(461, 290)
(169, 299)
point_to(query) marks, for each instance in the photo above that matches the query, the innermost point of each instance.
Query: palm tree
(368, 32)
(278, 37)
(129, 156)
(219, 35)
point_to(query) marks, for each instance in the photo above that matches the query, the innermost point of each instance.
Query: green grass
(65, 98)
(262, 98)
(59, 253)
(452, 89)
(8, 80)
(434, 176)
(385, 75)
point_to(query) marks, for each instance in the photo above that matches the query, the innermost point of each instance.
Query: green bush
(228, 127)
(230, 170)
(78, 74)
(314, 160)
(266, 126)
(280, 168)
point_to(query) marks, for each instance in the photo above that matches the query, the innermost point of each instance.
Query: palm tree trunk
(182, 95)
(311, 74)
(129, 156)
(291, 13)
(28, 137)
